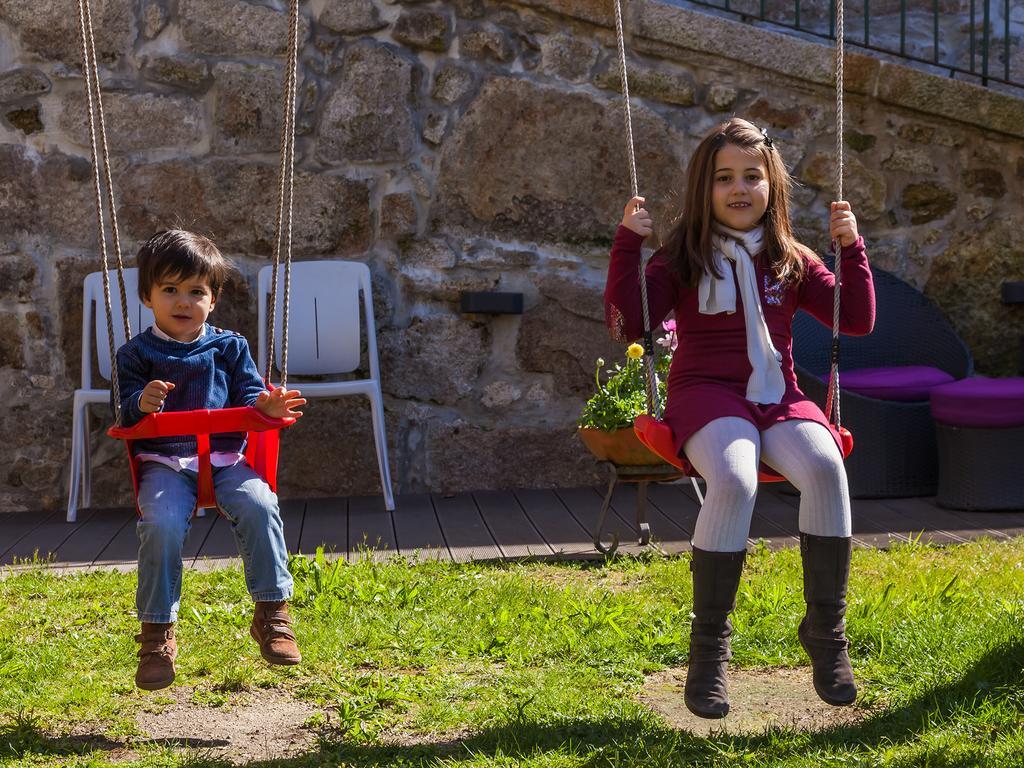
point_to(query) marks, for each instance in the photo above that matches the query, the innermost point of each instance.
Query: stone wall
(463, 145)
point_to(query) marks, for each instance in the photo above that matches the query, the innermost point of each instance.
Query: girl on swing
(734, 275)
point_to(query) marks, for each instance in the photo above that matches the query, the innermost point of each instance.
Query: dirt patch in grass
(255, 725)
(758, 700)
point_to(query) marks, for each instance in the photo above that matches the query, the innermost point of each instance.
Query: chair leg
(87, 453)
(381, 442)
(74, 480)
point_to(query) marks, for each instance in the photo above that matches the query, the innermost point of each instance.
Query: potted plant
(606, 422)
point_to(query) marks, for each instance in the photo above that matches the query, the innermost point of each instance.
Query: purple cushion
(980, 402)
(906, 383)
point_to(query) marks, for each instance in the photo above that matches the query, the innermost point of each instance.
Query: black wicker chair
(894, 450)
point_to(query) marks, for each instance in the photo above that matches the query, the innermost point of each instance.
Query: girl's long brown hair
(688, 245)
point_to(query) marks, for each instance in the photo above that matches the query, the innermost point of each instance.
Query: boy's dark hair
(178, 254)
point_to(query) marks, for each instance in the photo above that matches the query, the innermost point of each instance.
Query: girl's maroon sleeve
(856, 295)
(622, 304)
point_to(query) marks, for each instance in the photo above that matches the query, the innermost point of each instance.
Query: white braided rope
(94, 108)
(832, 397)
(653, 404)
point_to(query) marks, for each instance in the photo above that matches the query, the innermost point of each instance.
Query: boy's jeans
(167, 499)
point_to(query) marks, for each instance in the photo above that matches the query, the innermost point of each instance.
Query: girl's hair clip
(767, 139)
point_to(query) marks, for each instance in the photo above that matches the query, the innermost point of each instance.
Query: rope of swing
(832, 397)
(286, 196)
(98, 145)
(653, 404)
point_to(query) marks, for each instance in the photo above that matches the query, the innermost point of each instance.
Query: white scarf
(766, 383)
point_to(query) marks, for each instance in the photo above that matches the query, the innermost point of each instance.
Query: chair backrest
(909, 330)
(94, 319)
(324, 323)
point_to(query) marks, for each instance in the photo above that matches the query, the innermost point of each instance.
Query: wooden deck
(487, 525)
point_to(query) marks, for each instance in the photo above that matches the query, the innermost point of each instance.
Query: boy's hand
(153, 396)
(843, 224)
(636, 217)
(280, 403)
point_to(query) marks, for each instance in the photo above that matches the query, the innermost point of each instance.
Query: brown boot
(156, 656)
(716, 576)
(822, 633)
(271, 628)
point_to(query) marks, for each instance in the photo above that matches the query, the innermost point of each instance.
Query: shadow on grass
(996, 678)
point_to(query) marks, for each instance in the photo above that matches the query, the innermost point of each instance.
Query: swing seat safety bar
(262, 444)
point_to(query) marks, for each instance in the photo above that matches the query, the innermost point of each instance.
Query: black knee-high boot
(716, 576)
(826, 561)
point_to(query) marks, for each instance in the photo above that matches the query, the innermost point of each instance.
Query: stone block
(451, 83)
(568, 57)
(927, 201)
(786, 117)
(916, 161)
(22, 83)
(235, 203)
(866, 189)
(857, 141)
(434, 254)
(593, 11)
(331, 452)
(434, 126)
(50, 29)
(559, 342)
(965, 281)
(351, 17)
(155, 16)
(236, 28)
(249, 107)
(985, 182)
(462, 456)
(660, 84)
(426, 28)
(692, 30)
(137, 121)
(367, 116)
(438, 359)
(721, 98)
(484, 255)
(179, 71)
(953, 99)
(497, 175)
(18, 278)
(917, 133)
(486, 41)
(398, 215)
(12, 340)
(46, 195)
(27, 120)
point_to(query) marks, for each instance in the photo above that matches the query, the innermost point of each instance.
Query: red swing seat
(261, 452)
(657, 436)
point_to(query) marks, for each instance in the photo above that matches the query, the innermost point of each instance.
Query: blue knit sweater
(214, 371)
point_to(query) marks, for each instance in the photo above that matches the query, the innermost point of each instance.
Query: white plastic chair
(94, 324)
(323, 337)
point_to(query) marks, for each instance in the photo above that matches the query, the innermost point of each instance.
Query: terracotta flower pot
(621, 447)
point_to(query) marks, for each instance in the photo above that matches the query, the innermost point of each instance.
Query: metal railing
(981, 51)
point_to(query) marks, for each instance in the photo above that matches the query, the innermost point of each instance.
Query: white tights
(726, 453)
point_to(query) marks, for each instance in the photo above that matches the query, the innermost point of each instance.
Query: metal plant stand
(641, 475)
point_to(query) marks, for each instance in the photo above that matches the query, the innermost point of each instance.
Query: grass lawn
(526, 664)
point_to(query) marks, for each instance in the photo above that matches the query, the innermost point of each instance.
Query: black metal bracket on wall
(491, 303)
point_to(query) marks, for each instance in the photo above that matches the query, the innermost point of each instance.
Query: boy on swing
(179, 364)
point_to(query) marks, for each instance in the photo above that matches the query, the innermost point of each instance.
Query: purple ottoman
(979, 426)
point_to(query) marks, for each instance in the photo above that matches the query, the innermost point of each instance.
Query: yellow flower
(634, 351)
